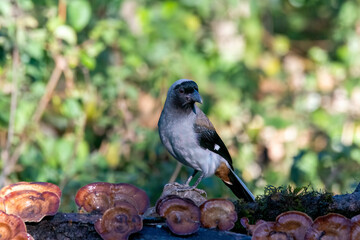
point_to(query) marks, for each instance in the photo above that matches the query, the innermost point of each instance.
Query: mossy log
(277, 200)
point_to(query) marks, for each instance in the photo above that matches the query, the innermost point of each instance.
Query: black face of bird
(185, 96)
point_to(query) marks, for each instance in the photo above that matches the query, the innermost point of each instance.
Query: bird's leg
(189, 188)
(197, 181)
(191, 177)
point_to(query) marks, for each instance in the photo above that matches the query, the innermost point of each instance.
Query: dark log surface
(65, 226)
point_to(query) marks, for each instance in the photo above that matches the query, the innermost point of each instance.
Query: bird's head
(183, 94)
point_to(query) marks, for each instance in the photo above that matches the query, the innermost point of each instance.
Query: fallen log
(66, 226)
(277, 200)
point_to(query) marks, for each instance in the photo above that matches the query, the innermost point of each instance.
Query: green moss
(277, 200)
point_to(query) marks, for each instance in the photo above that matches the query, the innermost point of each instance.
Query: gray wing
(163, 134)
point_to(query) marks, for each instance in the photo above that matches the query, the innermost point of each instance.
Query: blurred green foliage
(279, 81)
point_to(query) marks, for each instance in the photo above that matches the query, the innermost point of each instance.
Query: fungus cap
(101, 196)
(119, 222)
(35, 186)
(330, 226)
(12, 228)
(218, 213)
(182, 215)
(30, 205)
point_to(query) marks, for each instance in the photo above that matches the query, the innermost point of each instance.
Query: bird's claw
(185, 187)
(200, 191)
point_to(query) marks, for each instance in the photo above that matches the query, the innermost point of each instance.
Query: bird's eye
(181, 90)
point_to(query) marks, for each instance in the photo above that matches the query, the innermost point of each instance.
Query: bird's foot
(185, 191)
(186, 187)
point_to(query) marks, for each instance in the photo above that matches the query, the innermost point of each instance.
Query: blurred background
(82, 84)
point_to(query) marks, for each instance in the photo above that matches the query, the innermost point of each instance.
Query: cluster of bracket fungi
(26, 202)
(122, 207)
(299, 226)
(183, 217)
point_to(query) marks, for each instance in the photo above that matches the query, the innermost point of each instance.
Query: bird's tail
(238, 187)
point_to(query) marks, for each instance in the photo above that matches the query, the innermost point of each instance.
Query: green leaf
(66, 33)
(79, 14)
(277, 122)
(24, 112)
(71, 108)
(318, 54)
(4, 110)
(63, 152)
(87, 61)
(5, 8)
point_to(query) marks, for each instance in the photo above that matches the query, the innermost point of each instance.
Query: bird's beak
(195, 96)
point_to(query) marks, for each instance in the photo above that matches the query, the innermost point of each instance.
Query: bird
(190, 137)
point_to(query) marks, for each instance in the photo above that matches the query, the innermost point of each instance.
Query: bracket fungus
(35, 186)
(297, 225)
(2, 206)
(119, 222)
(250, 228)
(355, 227)
(101, 196)
(182, 215)
(94, 197)
(288, 225)
(266, 231)
(330, 226)
(12, 228)
(218, 213)
(31, 201)
(293, 223)
(131, 194)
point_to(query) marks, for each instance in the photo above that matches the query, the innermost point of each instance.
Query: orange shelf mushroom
(330, 226)
(218, 213)
(2, 206)
(250, 228)
(293, 223)
(297, 225)
(23, 236)
(101, 196)
(95, 197)
(265, 231)
(35, 186)
(182, 215)
(12, 228)
(31, 201)
(288, 225)
(355, 227)
(131, 194)
(119, 222)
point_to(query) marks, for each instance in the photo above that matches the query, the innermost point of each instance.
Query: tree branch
(13, 106)
(60, 65)
(176, 172)
(10, 161)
